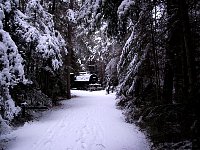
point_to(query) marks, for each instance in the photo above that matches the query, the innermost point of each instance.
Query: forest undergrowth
(172, 126)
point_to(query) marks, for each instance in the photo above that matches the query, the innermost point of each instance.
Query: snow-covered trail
(89, 121)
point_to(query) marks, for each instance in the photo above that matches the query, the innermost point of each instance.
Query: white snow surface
(90, 121)
(83, 77)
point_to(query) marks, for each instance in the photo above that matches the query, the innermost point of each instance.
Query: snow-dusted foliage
(90, 12)
(37, 26)
(124, 7)
(132, 57)
(132, 19)
(11, 69)
(134, 68)
(111, 71)
(30, 35)
(111, 66)
(71, 16)
(94, 12)
(92, 49)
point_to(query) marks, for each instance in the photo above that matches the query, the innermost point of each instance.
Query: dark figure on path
(108, 88)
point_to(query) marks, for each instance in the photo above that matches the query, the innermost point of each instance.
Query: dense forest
(149, 50)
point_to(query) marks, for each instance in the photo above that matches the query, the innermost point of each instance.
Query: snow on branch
(11, 72)
(37, 26)
(124, 7)
(89, 13)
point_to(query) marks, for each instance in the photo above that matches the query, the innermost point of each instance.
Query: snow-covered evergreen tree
(31, 34)
(11, 68)
(36, 27)
(41, 45)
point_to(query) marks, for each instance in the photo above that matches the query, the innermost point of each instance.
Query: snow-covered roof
(83, 77)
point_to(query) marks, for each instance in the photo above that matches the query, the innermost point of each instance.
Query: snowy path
(88, 122)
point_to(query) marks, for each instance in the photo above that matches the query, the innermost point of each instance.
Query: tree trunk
(168, 81)
(69, 55)
(190, 69)
(53, 6)
(155, 54)
(181, 52)
(171, 52)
